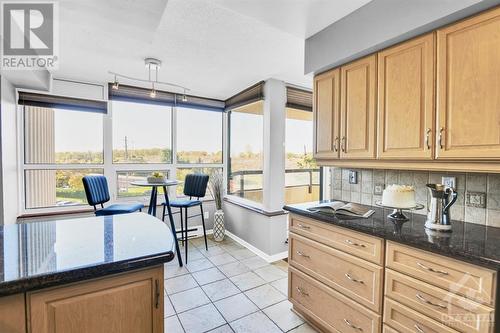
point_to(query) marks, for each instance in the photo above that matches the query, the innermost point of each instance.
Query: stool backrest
(96, 189)
(195, 185)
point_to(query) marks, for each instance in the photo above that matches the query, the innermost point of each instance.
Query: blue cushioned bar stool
(195, 186)
(97, 192)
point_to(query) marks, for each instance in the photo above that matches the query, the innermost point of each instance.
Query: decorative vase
(219, 229)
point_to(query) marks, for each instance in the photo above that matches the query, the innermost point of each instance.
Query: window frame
(110, 169)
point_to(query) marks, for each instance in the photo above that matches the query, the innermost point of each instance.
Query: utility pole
(126, 148)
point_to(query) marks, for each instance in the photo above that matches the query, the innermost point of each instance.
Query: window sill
(236, 202)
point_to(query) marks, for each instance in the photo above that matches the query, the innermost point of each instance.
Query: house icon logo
(29, 35)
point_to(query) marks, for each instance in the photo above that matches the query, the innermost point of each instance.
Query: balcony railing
(301, 185)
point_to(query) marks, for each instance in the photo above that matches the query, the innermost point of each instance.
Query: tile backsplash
(371, 181)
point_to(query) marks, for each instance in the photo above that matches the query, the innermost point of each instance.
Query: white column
(274, 147)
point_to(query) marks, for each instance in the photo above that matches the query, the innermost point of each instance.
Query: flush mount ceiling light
(152, 66)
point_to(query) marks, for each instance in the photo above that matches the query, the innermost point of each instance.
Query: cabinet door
(406, 100)
(468, 97)
(358, 109)
(132, 302)
(326, 114)
(12, 314)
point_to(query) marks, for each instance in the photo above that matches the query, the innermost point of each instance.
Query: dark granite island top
(473, 243)
(44, 254)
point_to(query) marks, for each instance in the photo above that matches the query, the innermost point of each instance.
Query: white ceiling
(215, 47)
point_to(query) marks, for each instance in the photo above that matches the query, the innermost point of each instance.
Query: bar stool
(195, 186)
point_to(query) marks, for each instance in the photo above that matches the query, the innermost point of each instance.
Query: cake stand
(397, 214)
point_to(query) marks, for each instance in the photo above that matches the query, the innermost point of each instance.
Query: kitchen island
(373, 275)
(94, 274)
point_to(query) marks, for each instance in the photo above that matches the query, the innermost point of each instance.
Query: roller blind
(298, 99)
(52, 101)
(252, 94)
(142, 95)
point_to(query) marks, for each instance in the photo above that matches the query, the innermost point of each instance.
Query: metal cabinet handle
(350, 242)
(347, 275)
(418, 329)
(302, 254)
(427, 138)
(157, 294)
(351, 325)
(302, 292)
(343, 144)
(422, 299)
(441, 137)
(432, 269)
(301, 226)
(336, 144)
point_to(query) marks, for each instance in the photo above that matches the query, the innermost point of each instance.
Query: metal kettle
(442, 198)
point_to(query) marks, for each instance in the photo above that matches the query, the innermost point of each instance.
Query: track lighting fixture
(184, 97)
(152, 94)
(115, 84)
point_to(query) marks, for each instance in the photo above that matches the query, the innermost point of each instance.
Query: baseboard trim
(263, 255)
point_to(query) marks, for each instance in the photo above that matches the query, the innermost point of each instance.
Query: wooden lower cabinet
(327, 308)
(12, 314)
(132, 302)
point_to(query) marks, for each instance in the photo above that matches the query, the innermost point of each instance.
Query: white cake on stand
(399, 196)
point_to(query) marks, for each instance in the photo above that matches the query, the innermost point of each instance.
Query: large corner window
(302, 176)
(63, 141)
(142, 132)
(199, 136)
(246, 133)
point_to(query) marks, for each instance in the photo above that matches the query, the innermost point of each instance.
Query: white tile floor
(228, 289)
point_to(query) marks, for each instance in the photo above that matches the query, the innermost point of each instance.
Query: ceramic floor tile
(220, 289)
(213, 251)
(198, 265)
(265, 296)
(255, 323)
(202, 319)
(247, 281)
(281, 264)
(242, 254)
(255, 262)
(179, 283)
(234, 268)
(171, 271)
(270, 273)
(232, 247)
(189, 299)
(222, 329)
(193, 254)
(281, 285)
(208, 276)
(172, 325)
(283, 316)
(235, 307)
(222, 259)
(304, 328)
(169, 309)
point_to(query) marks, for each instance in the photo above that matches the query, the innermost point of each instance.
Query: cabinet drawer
(331, 309)
(445, 307)
(353, 277)
(388, 329)
(406, 320)
(464, 279)
(355, 243)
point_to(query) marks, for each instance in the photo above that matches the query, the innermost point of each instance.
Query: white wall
(9, 173)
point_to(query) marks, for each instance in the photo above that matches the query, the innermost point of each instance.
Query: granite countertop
(42, 254)
(473, 243)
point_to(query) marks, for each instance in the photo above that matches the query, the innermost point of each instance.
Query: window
(125, 189)
(142, 133)
(246, 135)
(56, 187)
(62, 136)
(181, 176)
(199, 136)
(302, 177)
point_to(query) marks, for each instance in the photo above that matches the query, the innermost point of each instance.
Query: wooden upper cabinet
(406, 100)
(468, 94)
(326, 114)
(358, 114)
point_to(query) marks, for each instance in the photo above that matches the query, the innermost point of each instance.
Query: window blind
(297, 98)
(252, 94)
(52, 101)
(139, 94)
